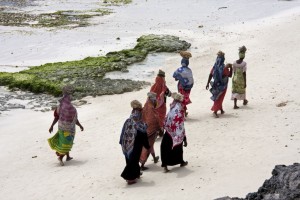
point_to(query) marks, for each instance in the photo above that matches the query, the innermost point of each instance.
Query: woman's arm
(78, 124)
(56, 117)
(53, 123)
(245, 84)
(184, 142)
(208, 81)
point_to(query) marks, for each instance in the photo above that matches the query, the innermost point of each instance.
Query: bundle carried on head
(161, 73)
(185, 54)
(135, 104)
(151, 95)
(242, 49)
(67, 89)
(221, 54)
(178, 97)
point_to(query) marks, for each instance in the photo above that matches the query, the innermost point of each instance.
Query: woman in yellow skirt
(66, 116)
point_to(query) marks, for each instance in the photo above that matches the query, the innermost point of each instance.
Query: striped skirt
(61, 142)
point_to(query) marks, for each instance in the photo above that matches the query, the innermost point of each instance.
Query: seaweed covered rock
(283, 185)
(87, 75)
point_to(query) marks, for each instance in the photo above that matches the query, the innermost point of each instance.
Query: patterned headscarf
(68, 90)
(129, 131)
(174, 124)
(67, 115)
(159, 88)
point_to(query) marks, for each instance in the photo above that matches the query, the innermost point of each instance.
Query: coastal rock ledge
(87, 75)
(283, 185)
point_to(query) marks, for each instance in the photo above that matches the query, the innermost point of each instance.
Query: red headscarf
(159, 88)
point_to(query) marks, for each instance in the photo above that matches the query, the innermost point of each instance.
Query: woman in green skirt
(66, 116)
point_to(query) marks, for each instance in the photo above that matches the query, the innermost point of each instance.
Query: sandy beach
(228, 156)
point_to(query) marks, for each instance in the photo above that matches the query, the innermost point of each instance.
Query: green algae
(62, 18)
(117, 2)
(87, 75)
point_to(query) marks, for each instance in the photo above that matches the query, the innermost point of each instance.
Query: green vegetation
(116, 2)
(87, 75)
(57, 19)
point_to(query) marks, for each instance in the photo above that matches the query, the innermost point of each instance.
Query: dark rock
(283, 185)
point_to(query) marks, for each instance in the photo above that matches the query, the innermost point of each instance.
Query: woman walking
(162, 92)
(133, 138)
(239, 82)
(220, 74)
(151, 118)
(174, 138)
(66, 116)
(184, 76)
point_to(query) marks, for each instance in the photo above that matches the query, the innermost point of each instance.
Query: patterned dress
(238, 89)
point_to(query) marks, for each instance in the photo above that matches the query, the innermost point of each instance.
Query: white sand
(231, 155)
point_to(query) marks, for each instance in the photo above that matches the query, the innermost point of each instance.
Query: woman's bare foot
(185, 163)
(155, 159)
(166, 169)
(236, 107)
(245, 102)
(60, 161)
(69, 158)
(143, 168)
(222, 112)
(130, 182)
(216, 115)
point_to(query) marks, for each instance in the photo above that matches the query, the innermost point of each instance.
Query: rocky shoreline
(87, 75)
(283, 185)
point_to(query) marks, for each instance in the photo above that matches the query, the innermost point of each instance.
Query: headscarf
(185, 62)
(219, 84)
(129, 131)
(184, 75)
(159, 88)
(67, 114)
(174, 124)
(150, 116)
(242, 52)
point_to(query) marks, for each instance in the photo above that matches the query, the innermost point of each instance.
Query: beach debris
(282, 104)
(200, 26)
(222, 8)
(34, 157)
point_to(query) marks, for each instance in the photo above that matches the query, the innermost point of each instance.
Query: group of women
(147, 122)
(220, 73)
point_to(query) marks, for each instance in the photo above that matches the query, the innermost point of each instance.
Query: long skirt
(218, 104)
(186, 96)
(145, 153)
(131, 170)
(170, 156)
(61, 142)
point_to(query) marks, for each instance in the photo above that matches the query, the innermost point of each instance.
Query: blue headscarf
(218, 85)
(185, 62)
(184, 75)
(218, 69)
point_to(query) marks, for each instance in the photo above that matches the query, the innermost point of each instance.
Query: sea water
(24, 46)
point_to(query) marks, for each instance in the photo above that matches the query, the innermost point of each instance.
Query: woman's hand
(207, 87)
(185, 143)
(81, 128)
(50, 129)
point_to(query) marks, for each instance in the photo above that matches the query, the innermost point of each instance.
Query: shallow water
(144, 71)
